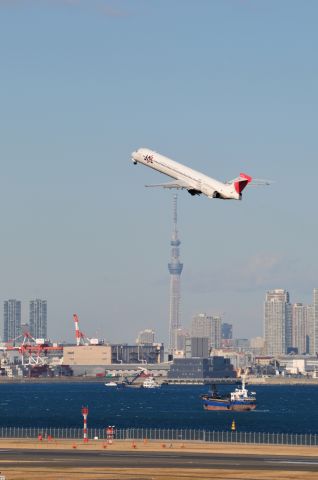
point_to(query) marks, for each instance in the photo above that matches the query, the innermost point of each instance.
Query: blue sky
(223, 86)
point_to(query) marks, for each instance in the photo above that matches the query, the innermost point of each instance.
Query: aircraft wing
(180, 184)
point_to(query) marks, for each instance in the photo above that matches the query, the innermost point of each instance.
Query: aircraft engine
(216, 194)
(193, 191)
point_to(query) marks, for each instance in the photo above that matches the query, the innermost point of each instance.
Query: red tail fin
(241, 182)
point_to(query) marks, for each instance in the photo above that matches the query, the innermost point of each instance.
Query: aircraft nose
(134, 157)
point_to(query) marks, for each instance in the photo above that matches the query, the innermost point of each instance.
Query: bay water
(287, 409)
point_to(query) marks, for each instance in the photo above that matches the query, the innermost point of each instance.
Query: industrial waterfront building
(113, 354)
(139, 354)
(201, 368)
(87, 355)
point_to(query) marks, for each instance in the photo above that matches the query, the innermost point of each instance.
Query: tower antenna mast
(175, 268)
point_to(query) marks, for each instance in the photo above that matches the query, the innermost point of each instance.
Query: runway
(24, 458)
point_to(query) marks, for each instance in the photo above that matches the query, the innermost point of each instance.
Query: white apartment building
(209, 326)
(277, 322)
(299, 322)
(315, 320)
(310, 330)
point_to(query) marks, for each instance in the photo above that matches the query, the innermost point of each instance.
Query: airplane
(191, 180)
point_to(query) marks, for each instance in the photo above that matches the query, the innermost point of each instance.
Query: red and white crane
(31, 350)
(81, 338)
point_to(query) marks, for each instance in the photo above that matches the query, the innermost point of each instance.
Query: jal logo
(148, 158)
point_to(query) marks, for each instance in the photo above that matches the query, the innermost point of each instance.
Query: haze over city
(223, 87)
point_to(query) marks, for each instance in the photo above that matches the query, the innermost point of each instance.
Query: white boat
(150, 383)
(111, 384)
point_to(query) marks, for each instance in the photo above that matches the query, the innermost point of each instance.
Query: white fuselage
(196, 180)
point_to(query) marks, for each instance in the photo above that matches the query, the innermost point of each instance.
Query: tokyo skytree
(175, 269)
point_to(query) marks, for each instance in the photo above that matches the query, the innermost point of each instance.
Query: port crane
(32, 351)
(81, 338)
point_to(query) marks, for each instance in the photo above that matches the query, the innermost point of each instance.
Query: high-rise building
(182, 335)
(289, 327)
(197, 347)
(299, 316)
(11, 320)
(310, 330)
(201, 326)
(38, 318)
(227, 331)
(146, 337)
(175, 269)
(277, 322)
(315, 307)
(226, 335)
(208, 326)
(216, 332)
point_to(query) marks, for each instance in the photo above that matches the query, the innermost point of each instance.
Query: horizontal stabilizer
(175, 184)
(259, 182)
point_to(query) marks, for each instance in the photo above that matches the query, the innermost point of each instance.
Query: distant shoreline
(267, 381)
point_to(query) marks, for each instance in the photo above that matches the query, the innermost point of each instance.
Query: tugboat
(150, 383)
(238, 400)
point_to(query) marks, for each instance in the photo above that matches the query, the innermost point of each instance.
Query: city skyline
(35, 312)
(216, 91)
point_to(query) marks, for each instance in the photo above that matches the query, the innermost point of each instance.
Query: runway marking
(139, 455)
(21, 461)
